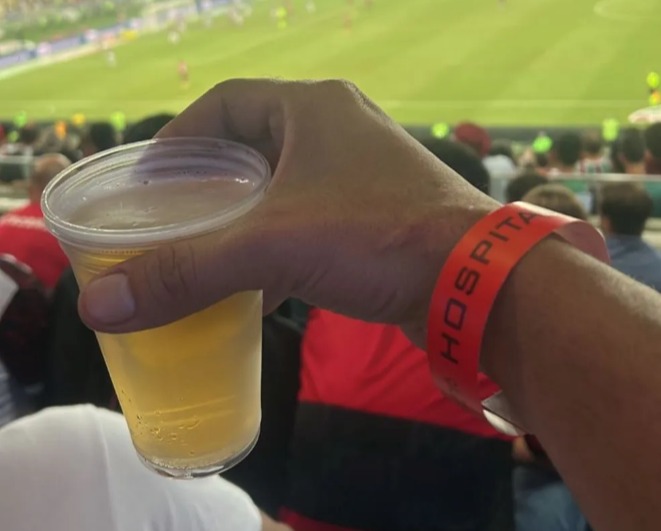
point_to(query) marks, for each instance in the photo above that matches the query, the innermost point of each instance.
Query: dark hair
(502, 147)
(28, 135)
(146, 128)
(630, 145)
(461, 159)
(567, 148)
(653, 139)
(542, 160)
(102, 135)
(592, 142)
(558, 198)
(521, 185)
(627, 205)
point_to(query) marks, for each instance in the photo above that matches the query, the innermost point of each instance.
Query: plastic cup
(190, 390)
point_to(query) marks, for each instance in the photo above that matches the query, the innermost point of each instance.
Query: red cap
(474, 137)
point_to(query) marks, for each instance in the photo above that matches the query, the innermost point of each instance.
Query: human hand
(359, 217)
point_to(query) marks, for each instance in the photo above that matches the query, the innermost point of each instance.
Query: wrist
(465, 295)
(440, 229)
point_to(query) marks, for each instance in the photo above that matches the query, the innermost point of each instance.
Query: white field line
(616, 10)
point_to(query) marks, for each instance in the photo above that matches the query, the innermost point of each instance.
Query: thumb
(181, 278)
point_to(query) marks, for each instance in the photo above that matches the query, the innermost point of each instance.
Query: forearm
(576, 348)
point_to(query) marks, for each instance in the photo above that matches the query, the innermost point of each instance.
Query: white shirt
(75, 469)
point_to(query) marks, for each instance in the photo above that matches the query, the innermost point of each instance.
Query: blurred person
(624, 209)
(23, 234)
(461, 159)
(375, 252)
(79, 465)
(376, 445)
(111, 58)
(521, 185)
(99, 137)
(628, 153)
(565, 154)
(593, 158)
(474, 136)
(146, 128)
(501, 165)
(558, 198)
(183, 73)
(653, 143)
(542, 163)
(27, 138)
(24, 305)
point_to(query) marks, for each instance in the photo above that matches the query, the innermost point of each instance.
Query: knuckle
(339, 87)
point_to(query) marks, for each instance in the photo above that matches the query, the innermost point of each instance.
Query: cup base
(201, 472)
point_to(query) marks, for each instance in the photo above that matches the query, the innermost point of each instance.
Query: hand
(359, 217)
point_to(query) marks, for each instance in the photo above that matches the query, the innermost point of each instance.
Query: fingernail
(109, 300)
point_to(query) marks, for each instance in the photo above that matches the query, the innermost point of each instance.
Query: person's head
(521, 185)
(28, 135)
(146, 128)
(593, 144)
(624, 208)
(558, 198)
(566, 151)
(504, 148)
(628, 151)
(461, 159)
(44, 169)
(473, 136)
(653, 140)
(99, 137)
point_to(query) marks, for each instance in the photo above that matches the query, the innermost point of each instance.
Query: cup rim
(80, 235)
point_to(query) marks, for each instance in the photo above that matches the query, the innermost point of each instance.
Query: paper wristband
(467, 287)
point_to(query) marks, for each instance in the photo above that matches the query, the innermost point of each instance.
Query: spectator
(475, 137)
(146, 128)
(23, 234)
(461, 159)
(565, 154)
(376, 445)
(558, 198)
(593, 159)
(628, 153)
(624, 209)
(521, 185)
(542, 165)
(501, 167)
(27, 138)
(653, 154)
(75, 469)
(99, 137)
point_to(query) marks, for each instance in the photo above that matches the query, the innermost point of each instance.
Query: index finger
(250, 111)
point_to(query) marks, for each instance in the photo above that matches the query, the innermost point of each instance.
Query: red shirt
(23, 235)
(376, 369)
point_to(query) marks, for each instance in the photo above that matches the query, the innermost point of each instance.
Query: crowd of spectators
(355, 435)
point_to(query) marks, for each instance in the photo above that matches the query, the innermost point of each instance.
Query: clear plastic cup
(190, 390)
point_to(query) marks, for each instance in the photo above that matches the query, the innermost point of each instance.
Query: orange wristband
(466, 290)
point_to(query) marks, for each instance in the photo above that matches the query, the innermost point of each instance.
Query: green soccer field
(527, 62)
